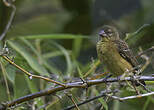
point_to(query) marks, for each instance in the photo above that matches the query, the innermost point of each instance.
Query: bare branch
(71, 97)
(78, 84)
(29, 74)
(8, 4)
(5, 80)
(103, 93)
(146, 51)
(132, 97)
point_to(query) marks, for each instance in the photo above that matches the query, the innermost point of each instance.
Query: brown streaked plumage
(114, 52)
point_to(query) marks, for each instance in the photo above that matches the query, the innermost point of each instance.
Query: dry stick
(142, 54)
(134, 86)
(132, 97)
(47, 105)
(78, 84)
(103, 93)
(43, 107)
(71, 97)
(5, 80)
(10, 20)
(145, 57)
(31, 75)
(146, 51)
(94, 66)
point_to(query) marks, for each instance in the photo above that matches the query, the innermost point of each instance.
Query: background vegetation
(57, 38)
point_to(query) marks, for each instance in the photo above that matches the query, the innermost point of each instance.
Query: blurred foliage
(143, 37)
(56, 38)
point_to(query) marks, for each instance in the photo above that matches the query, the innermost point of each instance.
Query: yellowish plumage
(110, 57)
(115, 54)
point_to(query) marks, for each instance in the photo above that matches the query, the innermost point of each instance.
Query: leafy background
(57, 38)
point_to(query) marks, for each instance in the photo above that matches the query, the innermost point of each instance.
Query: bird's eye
(109, 30)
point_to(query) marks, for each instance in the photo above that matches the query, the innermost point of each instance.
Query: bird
(115, 53)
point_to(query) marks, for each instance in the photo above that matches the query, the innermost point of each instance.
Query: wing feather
(125, 52)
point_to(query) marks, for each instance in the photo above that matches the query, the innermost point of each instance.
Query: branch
(132, 97)
(71, 97)
(29, 74)
(146, 51)
(103, 93)
(78, 84)
(8, 4)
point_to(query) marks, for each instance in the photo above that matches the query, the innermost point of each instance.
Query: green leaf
(54, 36)
(53, 54)
(11, 73)
(116, 104)
(77, 46)
(43, 60)
(33, 88)
(67, 56)
(102, 101)
(20, 87)
(31, 84)
(142, 37)
(79, 72)
(5, 79)
(145, 107)
(29, 58)
(138, 33)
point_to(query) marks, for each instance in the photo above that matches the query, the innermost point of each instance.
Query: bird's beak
(102, 34)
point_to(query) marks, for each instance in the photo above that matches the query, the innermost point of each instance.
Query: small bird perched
(114, 53)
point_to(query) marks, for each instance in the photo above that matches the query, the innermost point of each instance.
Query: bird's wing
(125, 52)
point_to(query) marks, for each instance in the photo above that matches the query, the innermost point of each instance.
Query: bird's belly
(114, 62)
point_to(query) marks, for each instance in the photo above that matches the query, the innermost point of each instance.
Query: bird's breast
(110, 57)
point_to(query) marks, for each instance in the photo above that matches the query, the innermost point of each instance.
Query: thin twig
(145, 57)
(146, 51)
(5, 80)
(78, 84)
(31, 75)
(103, 93)
(94, 66)
(71, 97)
(10, 20)
(132, 97)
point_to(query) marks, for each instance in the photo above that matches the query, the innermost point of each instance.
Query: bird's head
(109, 33)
